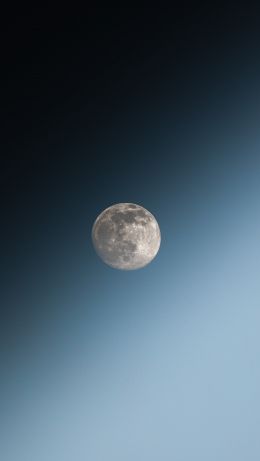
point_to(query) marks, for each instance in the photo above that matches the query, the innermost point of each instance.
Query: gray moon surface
(126, 236)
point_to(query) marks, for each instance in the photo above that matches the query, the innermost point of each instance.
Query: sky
(154, 106)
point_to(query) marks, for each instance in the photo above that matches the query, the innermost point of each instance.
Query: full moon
(126, 236)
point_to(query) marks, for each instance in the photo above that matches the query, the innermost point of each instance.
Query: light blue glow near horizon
(173, 373)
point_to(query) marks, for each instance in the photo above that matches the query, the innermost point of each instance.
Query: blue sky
(160, 363)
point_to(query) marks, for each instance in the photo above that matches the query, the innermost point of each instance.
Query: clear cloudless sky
(155, 106)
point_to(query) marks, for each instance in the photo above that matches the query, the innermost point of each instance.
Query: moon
(126, 236)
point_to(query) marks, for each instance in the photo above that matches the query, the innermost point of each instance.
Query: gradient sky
(158, 107)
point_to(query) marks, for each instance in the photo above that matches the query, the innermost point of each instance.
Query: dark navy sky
(158, 107)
